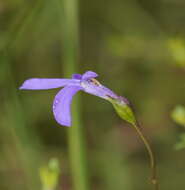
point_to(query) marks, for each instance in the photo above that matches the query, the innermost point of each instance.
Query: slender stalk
(154, 180)
(68, 10)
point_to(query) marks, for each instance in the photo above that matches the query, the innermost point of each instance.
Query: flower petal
(97, 90)
(61, 105)
(88, 75)
(77, 76)
(45, 83)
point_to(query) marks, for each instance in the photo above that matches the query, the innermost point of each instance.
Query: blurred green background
(138, 49)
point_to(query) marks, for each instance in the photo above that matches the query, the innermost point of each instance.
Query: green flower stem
(154, 180)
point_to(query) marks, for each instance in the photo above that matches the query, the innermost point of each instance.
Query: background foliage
(138, 49)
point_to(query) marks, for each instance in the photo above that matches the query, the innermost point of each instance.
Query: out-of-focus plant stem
(27, 148)
(154, 180)
(26, 141)
(69, 24)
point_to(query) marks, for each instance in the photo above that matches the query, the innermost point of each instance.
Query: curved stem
(154, 180)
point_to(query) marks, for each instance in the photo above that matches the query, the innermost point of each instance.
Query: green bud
(49, 175)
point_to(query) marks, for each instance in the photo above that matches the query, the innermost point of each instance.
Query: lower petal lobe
(62, 104)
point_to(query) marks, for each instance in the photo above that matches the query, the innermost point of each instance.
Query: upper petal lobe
(88, 75)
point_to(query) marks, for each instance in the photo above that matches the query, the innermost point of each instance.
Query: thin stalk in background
(68, 10)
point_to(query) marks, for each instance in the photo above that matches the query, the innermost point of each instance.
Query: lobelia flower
(63, 99)
(88, 83)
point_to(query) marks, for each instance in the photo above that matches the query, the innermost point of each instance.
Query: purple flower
(63, 99)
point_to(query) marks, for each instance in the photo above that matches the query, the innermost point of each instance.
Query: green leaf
(181, 144)
(178, 115)
(123, 110)
(177, 50)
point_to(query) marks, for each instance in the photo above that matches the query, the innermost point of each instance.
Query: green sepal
(123, 110)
